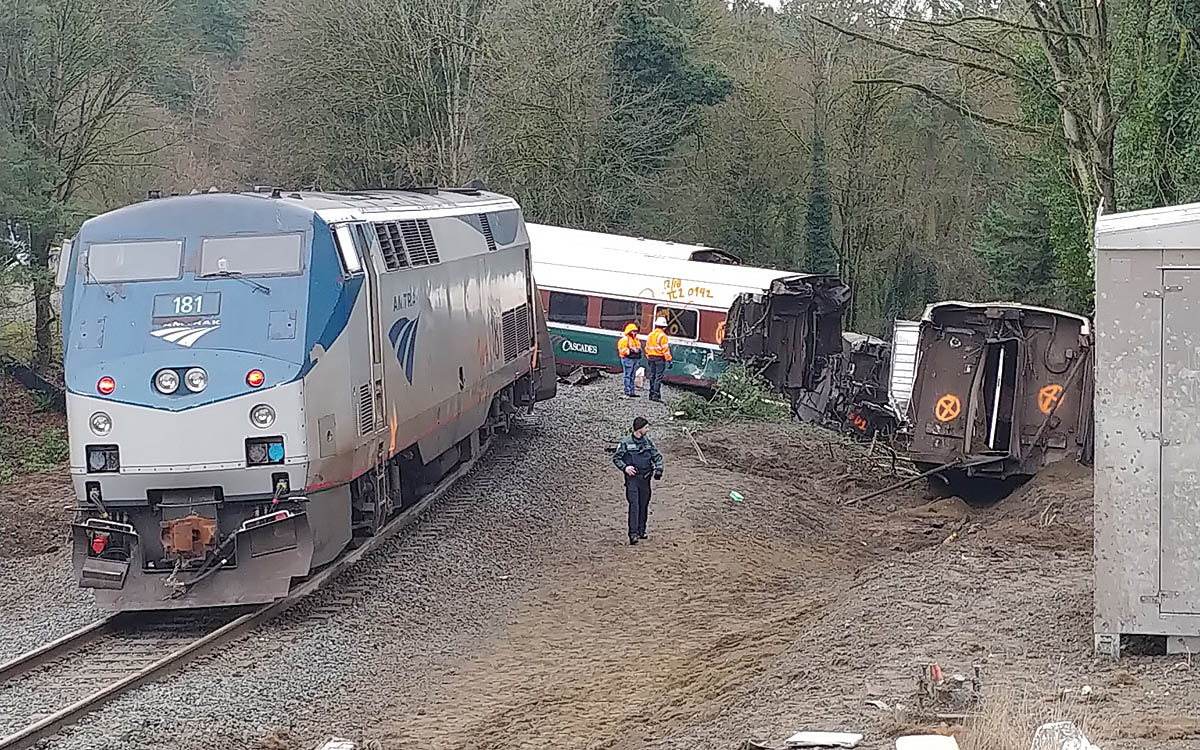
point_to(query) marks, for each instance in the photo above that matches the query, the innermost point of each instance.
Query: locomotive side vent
(418, 241)
(391, 244)
(516, 332)
(487, 232)
(366, 410)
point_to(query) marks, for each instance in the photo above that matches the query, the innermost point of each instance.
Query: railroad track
(79, 673)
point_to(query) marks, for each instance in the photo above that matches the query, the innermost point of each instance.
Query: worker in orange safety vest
(658, 354)
(629, 348)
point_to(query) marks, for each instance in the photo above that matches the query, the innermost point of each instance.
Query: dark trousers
(637, 494)
(658, 368)
(629, 365)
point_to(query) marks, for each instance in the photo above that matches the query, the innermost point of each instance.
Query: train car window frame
(347, 247)
(573, 319)
(673, 314)
(617, 322)
(92, 277)
(202, 272)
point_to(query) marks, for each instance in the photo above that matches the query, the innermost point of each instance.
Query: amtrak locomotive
(254, 378)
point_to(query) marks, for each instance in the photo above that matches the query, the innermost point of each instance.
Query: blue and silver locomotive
(254, 378)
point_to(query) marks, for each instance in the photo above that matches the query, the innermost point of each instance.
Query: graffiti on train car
(675, 290)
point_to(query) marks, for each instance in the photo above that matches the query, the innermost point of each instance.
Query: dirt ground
(35, 495)
(795, 607)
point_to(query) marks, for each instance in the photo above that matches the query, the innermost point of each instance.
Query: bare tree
(73, 73)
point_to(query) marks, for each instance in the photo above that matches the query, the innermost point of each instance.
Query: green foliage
(818, 223)
(654, 78)
(1014, 242)
(21, 454)
(740, 395)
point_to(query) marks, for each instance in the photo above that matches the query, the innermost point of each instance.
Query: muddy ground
(35, 497)
(793, 608)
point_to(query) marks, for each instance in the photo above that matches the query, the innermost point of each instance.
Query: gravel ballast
(440, 593)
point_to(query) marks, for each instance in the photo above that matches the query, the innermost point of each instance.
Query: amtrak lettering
(403, 335)
(404, 301)
(185, 334)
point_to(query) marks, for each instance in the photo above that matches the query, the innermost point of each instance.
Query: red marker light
(106, 385)
(99, 542)
(255, 378)
(281, 515)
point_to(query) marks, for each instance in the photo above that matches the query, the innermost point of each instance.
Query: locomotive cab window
(567, 308)
(348, 243)
(615, 314)
(119, 262)
(261, 255)
(681, 323)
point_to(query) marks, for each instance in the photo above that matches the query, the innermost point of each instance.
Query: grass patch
(22, 454)
(740, 395)
(16, 340)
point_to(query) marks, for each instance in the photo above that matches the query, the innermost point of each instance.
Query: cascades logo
(403, 335)
(184, 335)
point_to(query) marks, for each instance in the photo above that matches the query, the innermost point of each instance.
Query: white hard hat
(660, 321)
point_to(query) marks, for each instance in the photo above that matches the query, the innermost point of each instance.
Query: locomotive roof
(372, 205)
(583, 240)
(1085, 323)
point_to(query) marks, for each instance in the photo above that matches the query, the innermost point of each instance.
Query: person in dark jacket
(639, 461)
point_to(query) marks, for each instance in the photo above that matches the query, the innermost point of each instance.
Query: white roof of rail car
(382, 205)
(584, 240)
(615, 273)
(1086, 323)
(1167, 228)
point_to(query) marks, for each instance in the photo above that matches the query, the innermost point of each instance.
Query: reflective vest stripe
(656, 345)
(626, 344)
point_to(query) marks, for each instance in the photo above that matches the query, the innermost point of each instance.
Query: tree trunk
(43, 290)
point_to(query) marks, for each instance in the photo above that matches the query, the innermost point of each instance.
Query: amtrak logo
(403, 336)
(184, 335)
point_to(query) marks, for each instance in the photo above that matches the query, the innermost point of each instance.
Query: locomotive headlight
(195, 379)
(100, 423)
(262, 416)
(166, 381)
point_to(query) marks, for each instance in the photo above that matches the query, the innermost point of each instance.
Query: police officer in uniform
(639, 461)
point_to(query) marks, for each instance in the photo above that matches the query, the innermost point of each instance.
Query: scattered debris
(581, 376)
(927, 742)
(1060, 735)
(880, 705)
(737, 496)
(824, 739)
(754, 745)
(957, 693)
(699, 453)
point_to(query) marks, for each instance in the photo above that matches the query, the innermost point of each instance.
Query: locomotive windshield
(260, 255)
(119, 262)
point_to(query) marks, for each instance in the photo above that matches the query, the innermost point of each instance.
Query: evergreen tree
(818, 224)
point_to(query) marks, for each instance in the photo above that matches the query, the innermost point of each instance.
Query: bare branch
(957, 107)
(981, 19)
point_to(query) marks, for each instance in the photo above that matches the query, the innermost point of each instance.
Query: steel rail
(56, 722)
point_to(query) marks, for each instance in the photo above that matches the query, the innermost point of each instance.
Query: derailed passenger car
(793, 333)
(1001, 389)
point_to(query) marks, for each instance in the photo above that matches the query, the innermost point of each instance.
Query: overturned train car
(1001, 390)
(793, 334)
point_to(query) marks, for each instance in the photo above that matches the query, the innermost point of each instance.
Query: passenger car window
(568, 308)
(681, 323)
(118, 262)
(261, 255)
(615, 314)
